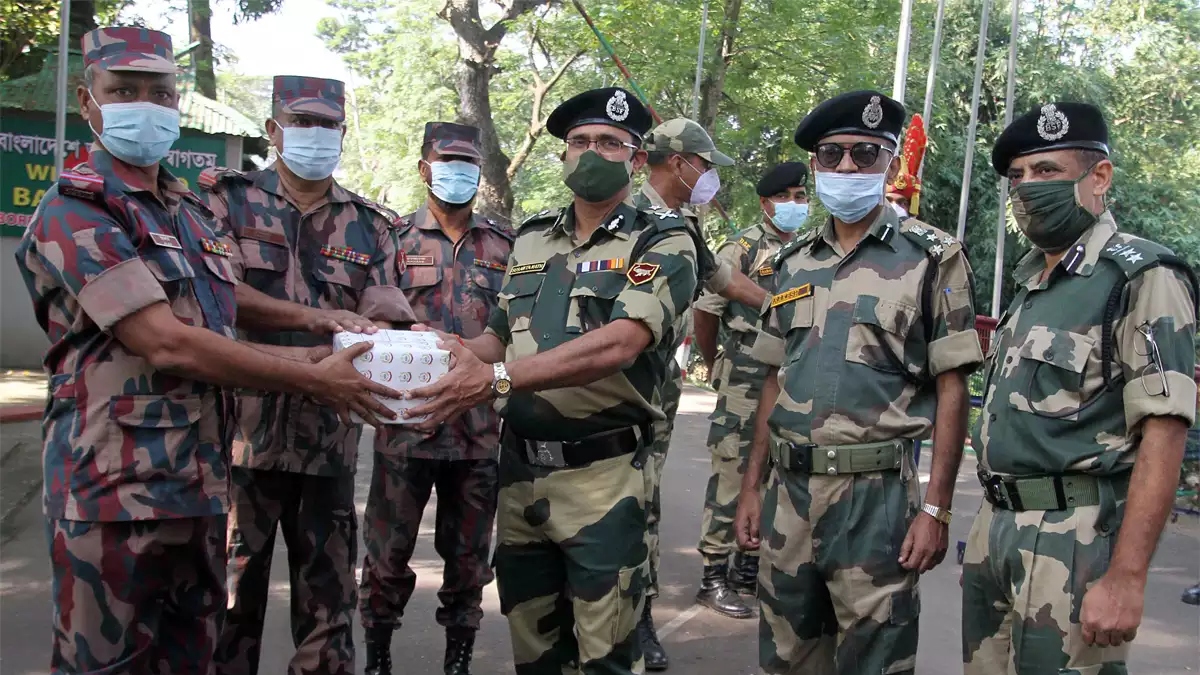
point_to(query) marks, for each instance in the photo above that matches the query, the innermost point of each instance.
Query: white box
(400, 359)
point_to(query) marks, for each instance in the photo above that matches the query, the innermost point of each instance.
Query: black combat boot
(716, 594)
(379, 650)
(652, 649)
(460, 646)
(743, 576)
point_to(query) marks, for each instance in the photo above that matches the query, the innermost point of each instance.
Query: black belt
(568, 454)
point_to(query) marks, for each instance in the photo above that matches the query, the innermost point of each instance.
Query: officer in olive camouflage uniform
(680, 152)
(451, 265)
(578, 345)
(738, 380)
(1087, 399)
(869, 325)
(294, 460)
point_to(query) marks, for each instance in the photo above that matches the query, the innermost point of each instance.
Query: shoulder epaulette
(213, 175)
(81, 183)
(936, 243)
(198, 202)
(502, 229)
(388, 214)
(1134, 255)
(548, 214)
(402, 223)
(791, 247)
(662, 219)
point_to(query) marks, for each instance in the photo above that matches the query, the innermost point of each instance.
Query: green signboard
(27, 162)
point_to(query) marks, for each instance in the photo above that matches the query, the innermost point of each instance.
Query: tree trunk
(200, 30)
(712, 88)
(82, 18)
(473, 77)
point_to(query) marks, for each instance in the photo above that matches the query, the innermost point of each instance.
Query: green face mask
(1049, 213)
(594, 178)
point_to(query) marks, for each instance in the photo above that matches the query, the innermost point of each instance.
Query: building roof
(36, 93)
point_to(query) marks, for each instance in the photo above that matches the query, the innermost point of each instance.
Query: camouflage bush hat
(299, 95)
(129, 48)
(1053, 126)
(684, 135)
(448, 138)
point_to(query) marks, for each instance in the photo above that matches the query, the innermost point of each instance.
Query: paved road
(699, 642)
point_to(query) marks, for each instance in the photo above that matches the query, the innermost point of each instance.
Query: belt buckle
(992, 490)
(542, 453)
(801, 459)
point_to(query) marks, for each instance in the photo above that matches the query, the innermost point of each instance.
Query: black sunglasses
(863, 154)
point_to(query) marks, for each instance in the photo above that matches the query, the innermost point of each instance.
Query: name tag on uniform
(766, 271)
(744, 244)
(216, 247)
(419, 260)
(259, 234)
(600, 265)
(792, 295)
(488, 264)
(527, 268)
(165, 240)
(347, 254)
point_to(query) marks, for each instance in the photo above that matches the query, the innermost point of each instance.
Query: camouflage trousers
(143, 596)
(656, 460)
(833, 597)
(729, 441)
(466, 511)
(318, 520)
(1024, 578)
(571, 565)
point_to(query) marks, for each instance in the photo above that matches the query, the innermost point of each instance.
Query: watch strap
(939, 514)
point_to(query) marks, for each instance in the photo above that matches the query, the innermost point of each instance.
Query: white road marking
(680, 619)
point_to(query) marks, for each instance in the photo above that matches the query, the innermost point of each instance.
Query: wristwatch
(501, 382)
(939, 514)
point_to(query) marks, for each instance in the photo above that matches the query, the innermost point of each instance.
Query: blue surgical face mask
(139, 133)
(312, 153)
(454, 182)
(850, 196)
(789, 216)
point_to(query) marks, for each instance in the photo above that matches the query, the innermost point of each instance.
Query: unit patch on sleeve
(792, 295)
(641, 273)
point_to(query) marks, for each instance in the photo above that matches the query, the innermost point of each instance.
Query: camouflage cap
(129, 48)
(684, 135)
(449, 138)
(299, 95)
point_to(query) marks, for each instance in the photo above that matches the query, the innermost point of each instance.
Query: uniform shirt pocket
(1058, 373)
(592, 300)
(521, 294)
(153, 438)
(339, 281)
(878, 331)
(264, 256)
(167, 264)
(421, 286)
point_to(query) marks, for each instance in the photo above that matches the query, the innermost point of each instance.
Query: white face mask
(850, 196)
(312, 153)
(707, 186)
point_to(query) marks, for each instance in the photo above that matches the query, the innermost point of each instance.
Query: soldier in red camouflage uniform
(451, 265)
(136, 294)
(300, 238)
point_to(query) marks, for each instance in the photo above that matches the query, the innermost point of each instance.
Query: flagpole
(934, 59)
(980, 57)
(60, 105)
(1002, 218)
(900, 79)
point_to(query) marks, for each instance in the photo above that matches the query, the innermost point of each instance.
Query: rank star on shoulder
(1131, 254)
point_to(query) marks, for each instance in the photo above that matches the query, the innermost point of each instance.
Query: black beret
(613, 106)
(868, 113)
(1054, 126)
(782, 177)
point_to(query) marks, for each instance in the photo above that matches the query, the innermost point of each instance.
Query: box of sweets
(399, 359)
